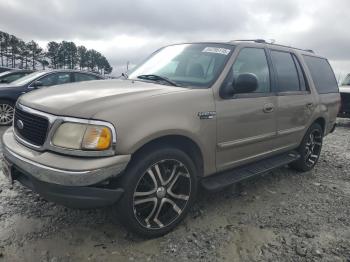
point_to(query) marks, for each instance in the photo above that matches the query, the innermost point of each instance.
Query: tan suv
(208, 114)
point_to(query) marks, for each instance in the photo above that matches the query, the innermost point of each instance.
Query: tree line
(16, 53)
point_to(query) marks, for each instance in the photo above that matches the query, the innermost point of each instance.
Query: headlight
(82, 136)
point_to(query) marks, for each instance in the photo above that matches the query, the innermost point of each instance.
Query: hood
(344, 89)
(6, 86)
(85, 99)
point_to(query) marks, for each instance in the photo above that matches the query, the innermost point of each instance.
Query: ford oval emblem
(20, 124)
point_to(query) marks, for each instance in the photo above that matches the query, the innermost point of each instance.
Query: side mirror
(245, 83)
(3, 81)
(226, 91)
(37, 84)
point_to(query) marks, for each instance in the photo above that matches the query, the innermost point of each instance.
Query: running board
(226, 178)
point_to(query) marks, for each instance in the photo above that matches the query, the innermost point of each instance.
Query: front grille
(34, 128)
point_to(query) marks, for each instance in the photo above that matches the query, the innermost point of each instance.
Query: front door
(246, 123)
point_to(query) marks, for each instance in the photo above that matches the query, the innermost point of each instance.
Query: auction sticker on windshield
(217, 50)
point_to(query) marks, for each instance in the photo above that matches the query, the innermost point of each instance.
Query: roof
(12, 70)
(257, 42)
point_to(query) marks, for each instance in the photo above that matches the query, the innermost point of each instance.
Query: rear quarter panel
(328, 104)
(329, 107)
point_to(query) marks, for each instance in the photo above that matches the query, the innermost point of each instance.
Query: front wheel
(160, 187)
(309, 149)
(6, 112)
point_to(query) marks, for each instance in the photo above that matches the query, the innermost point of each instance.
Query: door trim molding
(245, 141)
(253, 158)
(290, 130)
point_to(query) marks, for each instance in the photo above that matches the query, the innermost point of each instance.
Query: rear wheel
(309, 149)
(160, 187)
(6, 112)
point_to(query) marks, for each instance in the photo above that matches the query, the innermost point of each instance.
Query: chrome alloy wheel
(313, 148)
(161, 194)
(6, 114)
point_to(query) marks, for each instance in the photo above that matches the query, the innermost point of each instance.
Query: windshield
(28, 78)
(4, 73)
(346, 81)
(185, 65)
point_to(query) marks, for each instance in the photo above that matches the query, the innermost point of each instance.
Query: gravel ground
(281, 216)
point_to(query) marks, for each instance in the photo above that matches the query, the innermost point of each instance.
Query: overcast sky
(128, 30)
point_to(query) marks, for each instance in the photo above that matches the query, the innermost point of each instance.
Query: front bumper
(69, 196)
(68, 180)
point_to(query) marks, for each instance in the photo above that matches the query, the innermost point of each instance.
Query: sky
(129, 30)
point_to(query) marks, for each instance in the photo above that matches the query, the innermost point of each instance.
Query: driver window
(55, 79)
(253, 61)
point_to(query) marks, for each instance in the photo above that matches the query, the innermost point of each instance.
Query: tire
(152, 204)
(6, 112)
(309, 149)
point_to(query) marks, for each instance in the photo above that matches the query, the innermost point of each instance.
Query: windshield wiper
(158, 78)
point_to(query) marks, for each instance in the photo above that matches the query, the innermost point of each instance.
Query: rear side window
(302, 80)
(346, 81)
(322, 74)
(84, 77)
(286, 70)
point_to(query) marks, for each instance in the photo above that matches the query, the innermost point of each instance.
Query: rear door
(295, 103)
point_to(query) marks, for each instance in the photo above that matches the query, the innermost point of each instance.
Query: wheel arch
(322, 122)
(184, 143)
(8, 99)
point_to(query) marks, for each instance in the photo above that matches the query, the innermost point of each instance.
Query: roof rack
(262, 41)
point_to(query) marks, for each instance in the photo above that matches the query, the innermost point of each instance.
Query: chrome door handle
(268, 108)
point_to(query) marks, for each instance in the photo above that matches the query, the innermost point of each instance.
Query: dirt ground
(281, 216)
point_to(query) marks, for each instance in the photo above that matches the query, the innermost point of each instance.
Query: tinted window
(84, 77)
(55, 79)
(322, 74)
(302, 79)
(28, 78)
(12, 77)
(287, 75)
(253, 60)
(346, 81)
